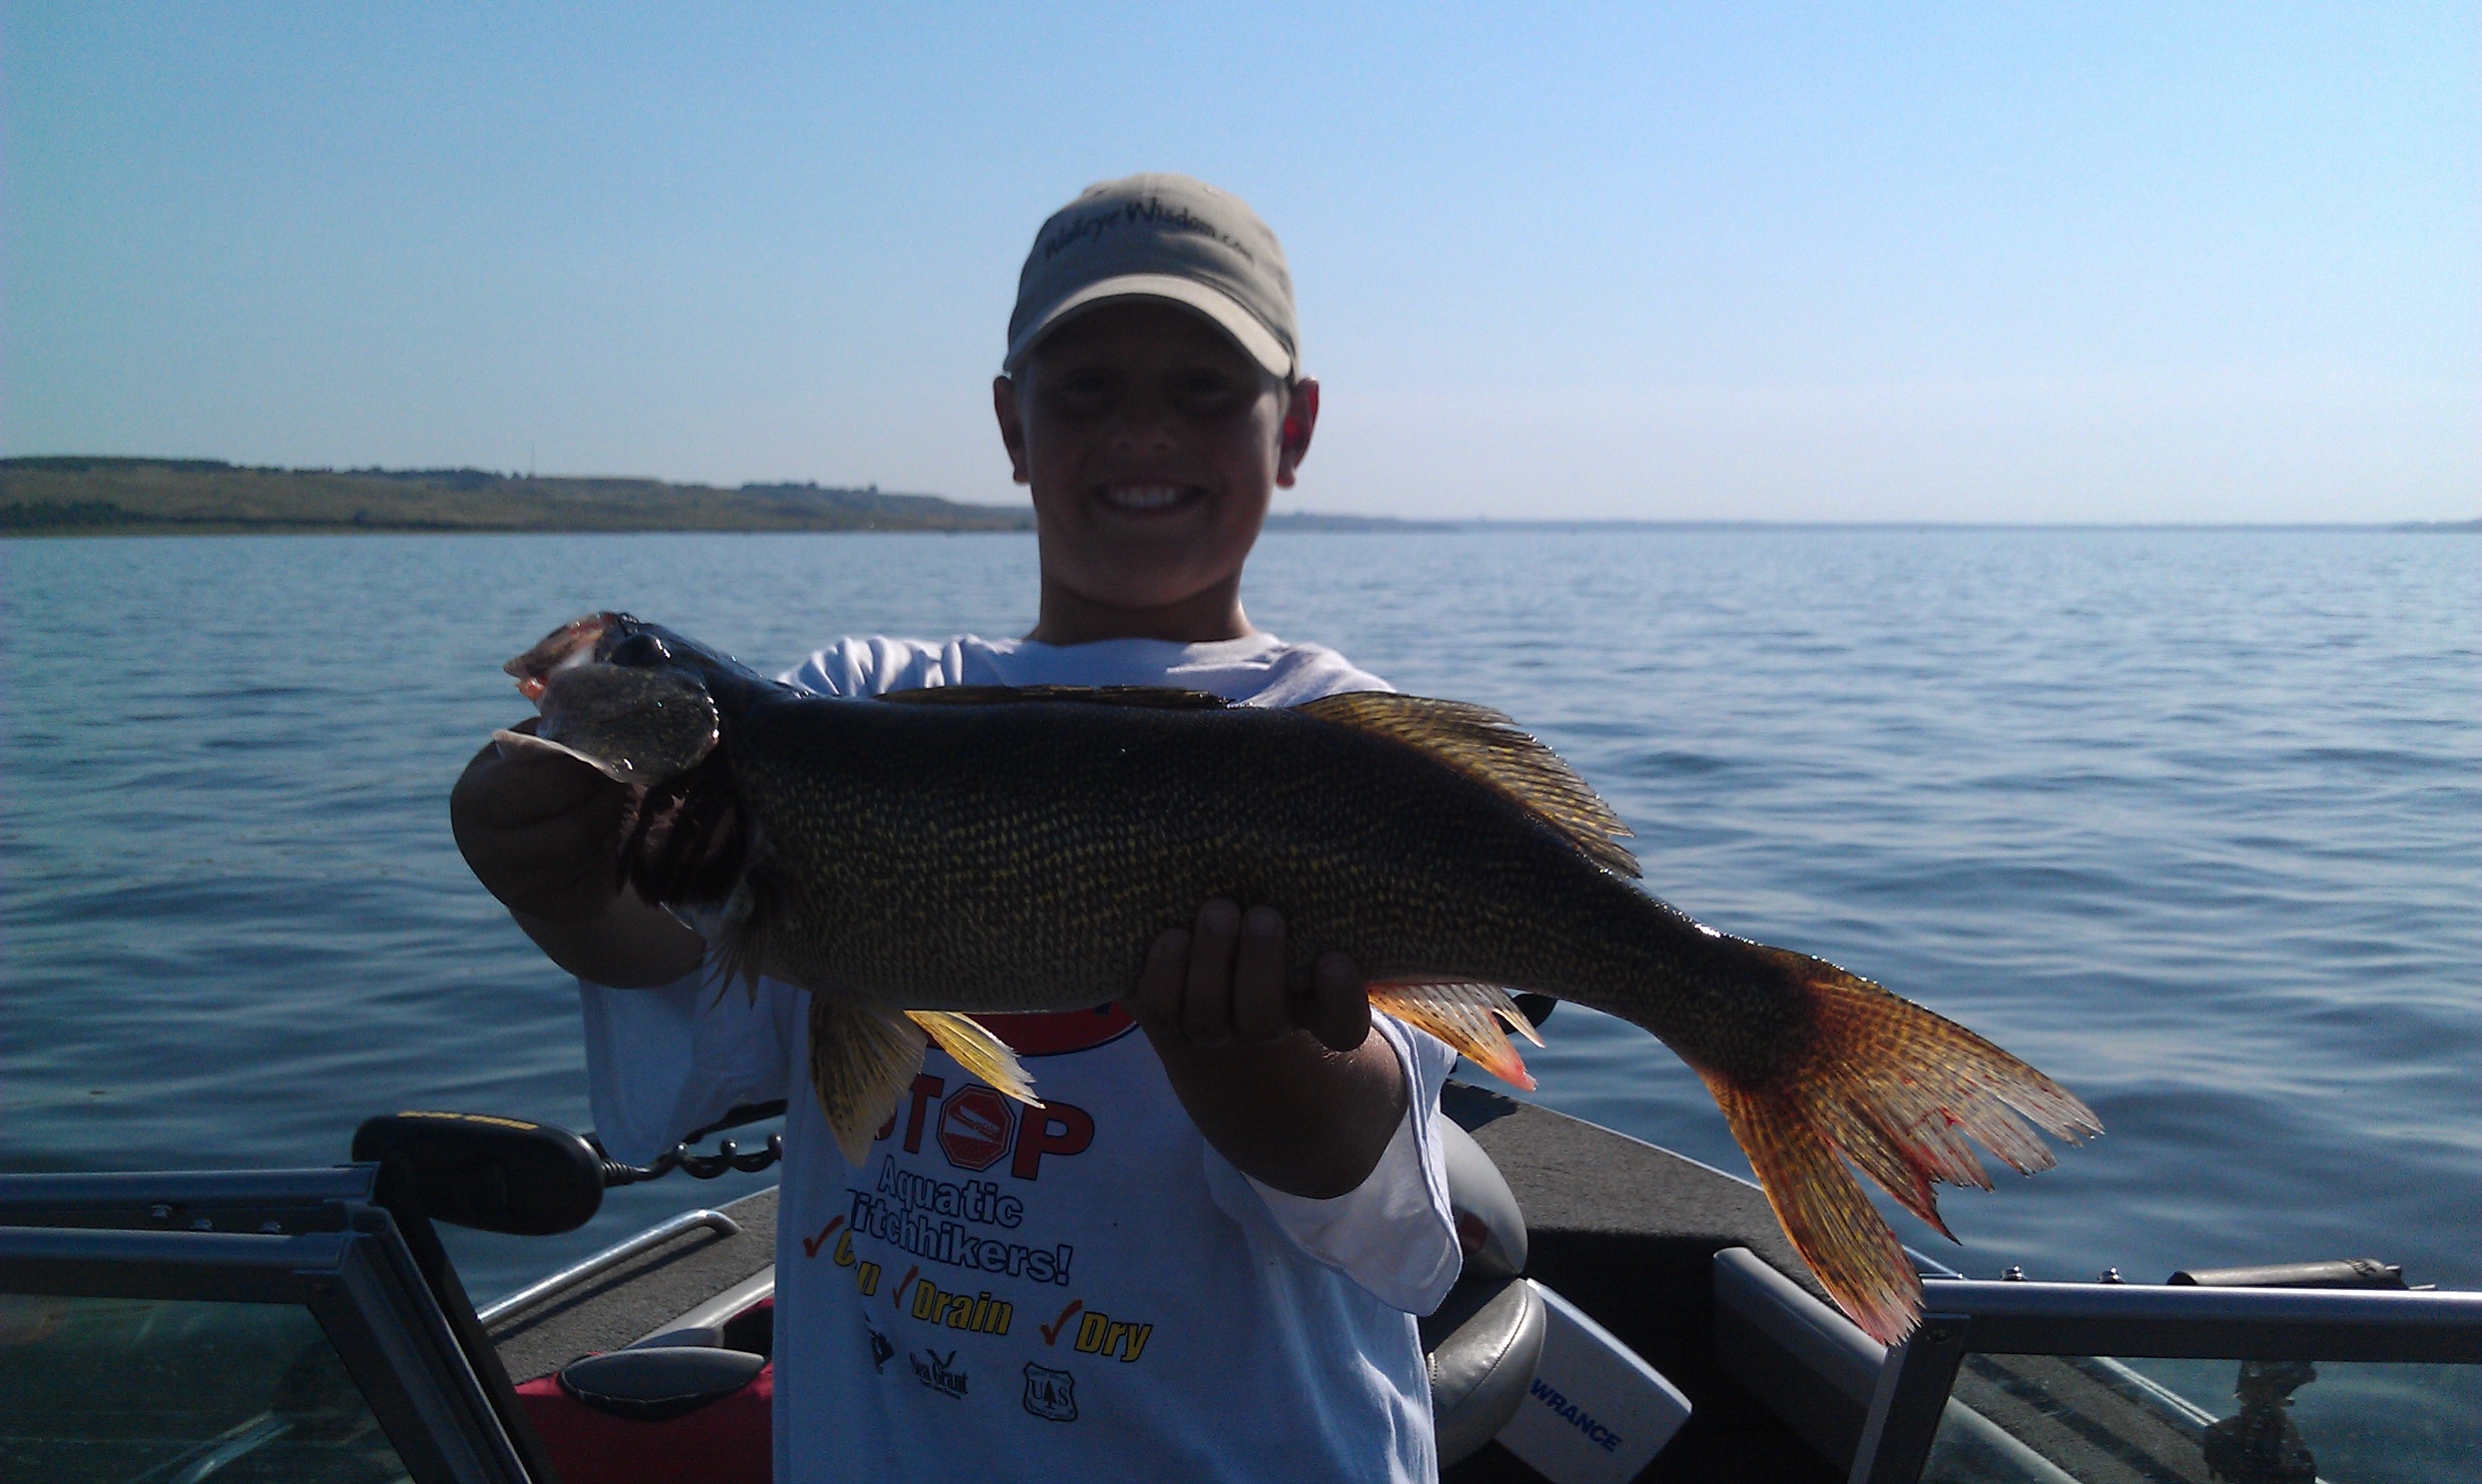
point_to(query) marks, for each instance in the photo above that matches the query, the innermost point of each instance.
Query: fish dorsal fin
(1156, 697)
(1484, 744)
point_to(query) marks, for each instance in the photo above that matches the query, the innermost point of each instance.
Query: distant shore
(80, 495)
(97, 496)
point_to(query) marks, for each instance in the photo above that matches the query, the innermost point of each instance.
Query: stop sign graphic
(974, 1127)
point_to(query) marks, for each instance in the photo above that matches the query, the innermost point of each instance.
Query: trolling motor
(526, 1179)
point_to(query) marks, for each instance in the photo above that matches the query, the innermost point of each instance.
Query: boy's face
(1152, 444)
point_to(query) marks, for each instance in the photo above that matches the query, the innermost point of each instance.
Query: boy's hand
(539, 828)
(1309, 1114)
(1222, 982)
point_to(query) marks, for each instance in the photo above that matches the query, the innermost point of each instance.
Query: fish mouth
(578, 641)
(613, 694)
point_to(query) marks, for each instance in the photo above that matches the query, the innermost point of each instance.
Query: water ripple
(2191, 819)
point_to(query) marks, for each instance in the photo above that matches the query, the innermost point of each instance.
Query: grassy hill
(87, 496)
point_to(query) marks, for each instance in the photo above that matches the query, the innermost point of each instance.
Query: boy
(1201, 1258)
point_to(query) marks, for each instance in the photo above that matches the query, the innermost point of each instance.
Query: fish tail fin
(1903, 1094)
(1468, 1016)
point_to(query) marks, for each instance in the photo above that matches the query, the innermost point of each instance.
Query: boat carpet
(632, 1299)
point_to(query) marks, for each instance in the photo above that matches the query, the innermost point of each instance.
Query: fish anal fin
(862, 1058)
(978, 1050)
(1468, 1016)
(1156, 697)
(1486, 745)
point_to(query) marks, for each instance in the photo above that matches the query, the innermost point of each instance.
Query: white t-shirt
(1085, 1291)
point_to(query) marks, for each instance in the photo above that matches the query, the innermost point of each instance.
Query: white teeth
(1141, 497)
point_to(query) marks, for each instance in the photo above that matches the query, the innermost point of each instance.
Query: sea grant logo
(940, 1372)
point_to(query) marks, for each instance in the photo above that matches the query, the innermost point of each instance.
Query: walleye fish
(914, 859)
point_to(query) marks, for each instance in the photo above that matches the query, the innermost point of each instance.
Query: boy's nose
(1146, 424)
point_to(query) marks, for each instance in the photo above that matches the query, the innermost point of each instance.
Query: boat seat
(1485, 1338)
(597, 1415)
(656, 1383)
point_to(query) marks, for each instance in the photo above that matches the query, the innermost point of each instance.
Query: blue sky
(1985, 262)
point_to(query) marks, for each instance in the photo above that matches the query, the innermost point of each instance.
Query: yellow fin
(1486, 745)
(978, 1050)
(1468, 1016)
(862, 1057)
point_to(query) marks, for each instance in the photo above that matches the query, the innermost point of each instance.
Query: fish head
(627, 699)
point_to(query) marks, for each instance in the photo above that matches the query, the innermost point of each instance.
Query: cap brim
(1226, 315)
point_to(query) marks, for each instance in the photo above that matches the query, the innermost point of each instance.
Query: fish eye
(641, 649)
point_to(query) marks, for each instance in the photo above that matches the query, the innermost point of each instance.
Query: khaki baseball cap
(1165, 237)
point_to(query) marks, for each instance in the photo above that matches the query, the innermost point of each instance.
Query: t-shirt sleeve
(1393, 1234)
(660, 1063)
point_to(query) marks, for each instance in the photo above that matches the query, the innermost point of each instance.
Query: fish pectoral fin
(1158, 697)
(978, 1050)
(1487, 746)
(1467, 1015)
(862, 1057)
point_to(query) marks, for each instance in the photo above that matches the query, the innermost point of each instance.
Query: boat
(1626, 1313)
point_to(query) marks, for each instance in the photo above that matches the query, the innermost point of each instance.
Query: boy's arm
(1293, 1089)
(540, 830)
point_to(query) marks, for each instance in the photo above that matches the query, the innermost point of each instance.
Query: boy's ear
(1012, 426)
(1301, 420)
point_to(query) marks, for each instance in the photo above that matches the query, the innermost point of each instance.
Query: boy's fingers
(1157, 1001)
(1207, 999)
(1261, 1010)
(1340, 1004)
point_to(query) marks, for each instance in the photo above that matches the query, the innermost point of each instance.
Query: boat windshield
(119, 1391)
(2100, 1419)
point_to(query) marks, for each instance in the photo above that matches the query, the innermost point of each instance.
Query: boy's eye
(1084, 383)
(1202, 385)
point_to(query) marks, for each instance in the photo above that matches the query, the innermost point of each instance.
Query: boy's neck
(1069, 617)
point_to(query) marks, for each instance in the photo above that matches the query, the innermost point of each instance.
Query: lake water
(2192, 819)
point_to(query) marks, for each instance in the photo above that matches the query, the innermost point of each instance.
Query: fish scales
(914, 860)
(1022, 857)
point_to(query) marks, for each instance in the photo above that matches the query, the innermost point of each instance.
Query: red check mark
(1051, 1331)
(896, 1296)
(810, 1245)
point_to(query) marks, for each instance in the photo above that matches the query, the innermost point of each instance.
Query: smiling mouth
(1144, 498)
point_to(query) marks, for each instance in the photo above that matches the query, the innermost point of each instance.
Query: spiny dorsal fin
(1160, 697)
(1484, 744)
